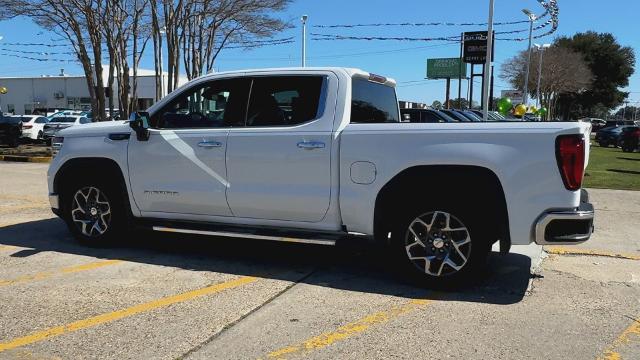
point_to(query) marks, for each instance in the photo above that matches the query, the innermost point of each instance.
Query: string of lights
(38, 59)
(348, 26)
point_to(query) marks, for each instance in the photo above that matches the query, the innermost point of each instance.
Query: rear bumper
(566, 227)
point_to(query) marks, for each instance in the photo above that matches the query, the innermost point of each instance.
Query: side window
(213, 104)
(41, 120)
(411, 116)
(373, 102)
(84, 120)
(284, 100)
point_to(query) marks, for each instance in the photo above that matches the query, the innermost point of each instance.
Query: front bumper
(54, 201)
(566, 227)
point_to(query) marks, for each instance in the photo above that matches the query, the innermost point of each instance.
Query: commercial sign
(516, 96)
(475, 47)
(446, 68)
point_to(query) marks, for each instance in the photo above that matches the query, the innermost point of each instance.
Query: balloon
(3, 90)
(533, 109)
(520, 110)
(504, 105)
(542, 111)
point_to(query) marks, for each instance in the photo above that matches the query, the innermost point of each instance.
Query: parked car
(32, 126)
(492, 115)
(630, 138)
(612, 123)
(62, 122)
(596, 124)
(470, 115)
(455, 115)
(609, 136)
(10, 130)
(291, 155)
(425, 116)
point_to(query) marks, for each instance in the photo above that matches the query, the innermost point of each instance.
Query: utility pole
(532, 18)
(304, 40)
(460, 67)
(487, 65)
(540, 50)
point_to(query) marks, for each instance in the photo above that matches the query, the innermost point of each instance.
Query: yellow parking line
(561, 250)
(346, 331)
(632, 333)
(67, 270)
(116, 315)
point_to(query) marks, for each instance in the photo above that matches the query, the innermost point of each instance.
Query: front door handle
(310, 145)
(210, 144)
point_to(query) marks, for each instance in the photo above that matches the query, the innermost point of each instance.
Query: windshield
(63, 119)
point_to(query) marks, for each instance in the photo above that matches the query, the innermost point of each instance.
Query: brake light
(570, 156)
(27, 126)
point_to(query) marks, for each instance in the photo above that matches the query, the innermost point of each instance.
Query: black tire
(14, 141)
(476, 253)
(116, 220)
(39, 137)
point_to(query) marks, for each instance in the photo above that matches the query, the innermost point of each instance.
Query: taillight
(27, 126)
(570, 156)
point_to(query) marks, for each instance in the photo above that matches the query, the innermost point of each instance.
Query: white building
(48, 92)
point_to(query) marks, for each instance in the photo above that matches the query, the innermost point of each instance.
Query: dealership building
(25, 95)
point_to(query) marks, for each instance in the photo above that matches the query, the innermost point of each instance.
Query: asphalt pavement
(177, 297)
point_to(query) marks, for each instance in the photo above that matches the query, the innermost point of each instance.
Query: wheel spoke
(417, 238)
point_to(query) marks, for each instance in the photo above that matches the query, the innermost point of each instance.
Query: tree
(628, 113)
(78, 22)
(611, 65)
(460, 103)
(563, 72)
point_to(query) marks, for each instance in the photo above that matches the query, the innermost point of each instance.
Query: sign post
(446, 68)
(475, 52)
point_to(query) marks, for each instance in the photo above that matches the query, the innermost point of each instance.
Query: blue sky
(404, 61)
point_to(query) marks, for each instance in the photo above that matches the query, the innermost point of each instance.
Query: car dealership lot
(166, 297)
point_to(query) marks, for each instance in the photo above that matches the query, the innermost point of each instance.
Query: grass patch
(611, 168)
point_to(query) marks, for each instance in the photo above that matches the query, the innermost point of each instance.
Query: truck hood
(102, 128)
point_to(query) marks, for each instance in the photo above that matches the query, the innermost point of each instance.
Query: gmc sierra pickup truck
(319, 155)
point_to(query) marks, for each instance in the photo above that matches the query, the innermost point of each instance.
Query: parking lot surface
(168, 297)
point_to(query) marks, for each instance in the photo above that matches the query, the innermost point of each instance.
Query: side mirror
(139, 122)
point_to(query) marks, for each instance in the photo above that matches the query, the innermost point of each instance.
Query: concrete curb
(31, 159)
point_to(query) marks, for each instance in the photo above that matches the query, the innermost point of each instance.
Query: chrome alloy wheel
(438, 243)
(91, 211)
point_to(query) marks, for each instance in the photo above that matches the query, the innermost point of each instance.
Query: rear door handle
(210, 144)
(310, 145)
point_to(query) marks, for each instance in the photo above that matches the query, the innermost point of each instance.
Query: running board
(244, 235)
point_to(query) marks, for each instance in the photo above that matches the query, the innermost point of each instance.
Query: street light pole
(304, 40)
(487, 65)
(532, 18)
(540, 50)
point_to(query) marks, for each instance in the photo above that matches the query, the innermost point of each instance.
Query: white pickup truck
(318, 155)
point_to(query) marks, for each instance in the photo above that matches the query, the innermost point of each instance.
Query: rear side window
(284, 100)
(373, 103)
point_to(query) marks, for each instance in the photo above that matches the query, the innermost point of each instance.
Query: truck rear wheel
(441, 245)
(94, 211)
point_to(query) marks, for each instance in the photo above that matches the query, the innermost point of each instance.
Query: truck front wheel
(443, 246)
(94, 211)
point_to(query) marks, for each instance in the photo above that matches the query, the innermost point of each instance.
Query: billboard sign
(446, 68)
(516, 96)
(475, 47)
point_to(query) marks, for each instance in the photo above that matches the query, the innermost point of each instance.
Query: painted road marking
(561, 250)
(67, 270)
(346, 331)
(120, 314)
(632, 333)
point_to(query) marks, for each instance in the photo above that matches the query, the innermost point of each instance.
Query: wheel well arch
(93, 165)
(470, 180)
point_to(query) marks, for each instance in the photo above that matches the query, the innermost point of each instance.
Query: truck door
(181, 168)
(279, 163)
